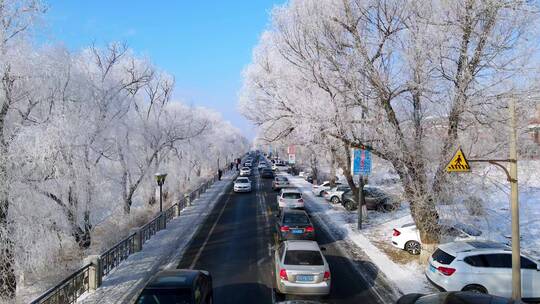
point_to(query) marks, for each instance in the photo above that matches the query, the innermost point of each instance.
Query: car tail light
(396, 232)
(309, 229)
(300, 200)
(283, 275)
(326, 276)
(447, 271)
(284, 228)
(324, 193)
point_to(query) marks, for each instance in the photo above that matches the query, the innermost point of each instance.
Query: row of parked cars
(340, 193)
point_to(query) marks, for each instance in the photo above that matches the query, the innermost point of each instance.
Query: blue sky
(204, 44)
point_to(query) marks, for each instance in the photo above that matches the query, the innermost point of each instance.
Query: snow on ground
(407, 271)
(164, 250)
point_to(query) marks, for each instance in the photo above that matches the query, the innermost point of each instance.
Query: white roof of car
(302, 245)
(290, 190)
(454, 248)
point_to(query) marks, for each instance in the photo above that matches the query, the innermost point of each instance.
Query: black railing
(70, 289)
(67, 291)
(119, 252)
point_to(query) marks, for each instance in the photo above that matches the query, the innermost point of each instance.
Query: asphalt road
(234, 244)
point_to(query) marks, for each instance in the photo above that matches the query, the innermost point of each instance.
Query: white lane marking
(198, 255)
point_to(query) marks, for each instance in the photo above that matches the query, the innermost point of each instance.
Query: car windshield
(303, 257)
(162, 296)
(295, 219)
(292, 195)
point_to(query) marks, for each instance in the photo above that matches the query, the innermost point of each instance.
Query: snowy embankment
(163, 251)
(343, 223)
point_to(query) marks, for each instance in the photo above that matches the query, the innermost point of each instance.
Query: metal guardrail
(67, 291)
(119, 252)
(71, 288)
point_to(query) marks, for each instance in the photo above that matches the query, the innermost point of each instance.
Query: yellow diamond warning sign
(458, 163)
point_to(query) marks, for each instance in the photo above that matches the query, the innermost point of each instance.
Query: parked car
(274, 167)
(290, 198)
(375, 199)
(318, 190)
(280, 182)
(333, 195)
(245, 171)
(242, 184)
(178, 286)
(454, 297)
(300, 268)
(407, 237)
(481, 266)
(267, 173)
(248, 164)
(294, 225)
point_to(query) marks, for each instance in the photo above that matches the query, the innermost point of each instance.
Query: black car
(179, 287)
(455, 297)
(267, 173)
(294, 224)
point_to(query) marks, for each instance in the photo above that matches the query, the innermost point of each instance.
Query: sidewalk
(338, 222)
(163, 251)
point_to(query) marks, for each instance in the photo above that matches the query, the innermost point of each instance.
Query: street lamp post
(160, 178)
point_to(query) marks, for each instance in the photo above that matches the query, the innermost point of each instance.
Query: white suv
(481, 266)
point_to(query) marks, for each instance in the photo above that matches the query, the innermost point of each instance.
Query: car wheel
(413, 247)
(320, 193)
(475, 288)
(334, 200)
(349, 206)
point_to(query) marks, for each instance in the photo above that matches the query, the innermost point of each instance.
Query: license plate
(304, 278)
(297, 231)
(431, 268)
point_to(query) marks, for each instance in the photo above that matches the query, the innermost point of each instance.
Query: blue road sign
(361, 162)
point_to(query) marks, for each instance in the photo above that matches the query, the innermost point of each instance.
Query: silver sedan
(301, 269)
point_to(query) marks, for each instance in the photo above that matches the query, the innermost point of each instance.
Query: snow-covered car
(481, 266)
(317, 190)
(333, 195)
(242, 184)
(290, 198)
(245, 171)
(407, 237)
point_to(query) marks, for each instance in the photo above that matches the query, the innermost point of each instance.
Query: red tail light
(396, 232)
(447, 271)
(326, 276)
(300, 200)
(284, 228)
(324, 193)
(283, 275)
(309, 229)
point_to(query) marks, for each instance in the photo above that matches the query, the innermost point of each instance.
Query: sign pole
(516, 256)
(360, 200)
(460, 164)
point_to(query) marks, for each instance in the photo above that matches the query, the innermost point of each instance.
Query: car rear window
(292, 195)
(242, 180)
(281, 179)
(442, 257)
(303, 257)
(166, 295)
(295, 218)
